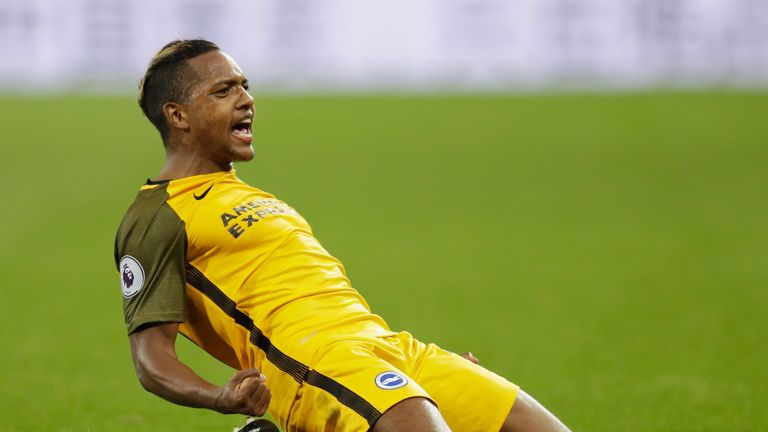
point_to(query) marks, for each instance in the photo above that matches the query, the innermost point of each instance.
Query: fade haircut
(169, 79)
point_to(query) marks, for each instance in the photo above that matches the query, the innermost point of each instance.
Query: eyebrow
(231, 81)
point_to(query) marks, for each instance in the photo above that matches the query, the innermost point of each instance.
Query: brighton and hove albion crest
(390, 380)
(131, 276)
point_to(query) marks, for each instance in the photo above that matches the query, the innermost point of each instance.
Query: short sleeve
(150, 253)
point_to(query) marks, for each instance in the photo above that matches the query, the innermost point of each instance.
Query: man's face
(220, 110)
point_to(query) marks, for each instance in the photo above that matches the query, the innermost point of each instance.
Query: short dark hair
(169, 79)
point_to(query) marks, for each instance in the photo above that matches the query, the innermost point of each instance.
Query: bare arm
(161, 372)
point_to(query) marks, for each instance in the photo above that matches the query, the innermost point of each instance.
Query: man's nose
(246, 100)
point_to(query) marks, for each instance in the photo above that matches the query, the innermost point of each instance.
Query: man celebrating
(239, 273)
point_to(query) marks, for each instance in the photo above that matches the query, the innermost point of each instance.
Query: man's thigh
(349, 387)
(469, 396)
(352, 383)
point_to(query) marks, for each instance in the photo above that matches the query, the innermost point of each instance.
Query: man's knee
(412, 415)
(527, 415)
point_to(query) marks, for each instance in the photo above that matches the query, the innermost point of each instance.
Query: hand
(245, 393)
(471, 357)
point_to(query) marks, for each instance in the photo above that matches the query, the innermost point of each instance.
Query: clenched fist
(245, 393)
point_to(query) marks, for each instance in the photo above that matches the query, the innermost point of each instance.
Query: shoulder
(149, 223)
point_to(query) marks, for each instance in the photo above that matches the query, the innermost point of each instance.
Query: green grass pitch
(609, 253)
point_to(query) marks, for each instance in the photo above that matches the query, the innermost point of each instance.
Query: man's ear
(176, 116)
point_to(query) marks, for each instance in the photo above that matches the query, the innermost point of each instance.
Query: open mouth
(242, 131)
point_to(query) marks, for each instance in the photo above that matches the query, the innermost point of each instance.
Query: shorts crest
(390, 380)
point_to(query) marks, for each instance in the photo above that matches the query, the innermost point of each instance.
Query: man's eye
(225, 91)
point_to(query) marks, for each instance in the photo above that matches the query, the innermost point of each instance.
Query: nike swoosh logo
(201, 196)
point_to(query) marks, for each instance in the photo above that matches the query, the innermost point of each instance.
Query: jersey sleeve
(150, 253)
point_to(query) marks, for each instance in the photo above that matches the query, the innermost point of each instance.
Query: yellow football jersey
(239, 269)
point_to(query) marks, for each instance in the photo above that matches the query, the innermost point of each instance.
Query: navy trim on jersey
(297, 370)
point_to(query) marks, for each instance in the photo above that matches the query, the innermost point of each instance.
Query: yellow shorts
(352, 382)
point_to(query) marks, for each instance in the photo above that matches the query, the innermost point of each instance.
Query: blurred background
(415, 45)
(574, 190)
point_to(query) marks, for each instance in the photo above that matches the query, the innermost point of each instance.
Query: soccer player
(238, 272)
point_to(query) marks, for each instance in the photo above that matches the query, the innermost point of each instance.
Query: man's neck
(179, 166)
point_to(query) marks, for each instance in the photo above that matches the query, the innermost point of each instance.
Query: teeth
(245, 132)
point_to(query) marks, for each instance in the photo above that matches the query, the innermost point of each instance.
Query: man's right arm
(161, 372)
